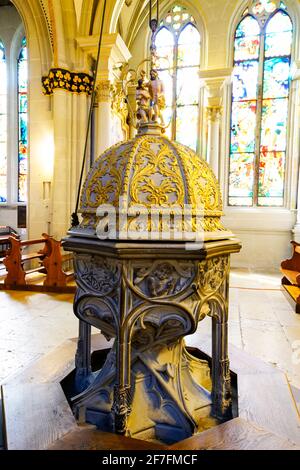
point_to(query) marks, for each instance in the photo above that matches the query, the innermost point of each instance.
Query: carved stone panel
(95, 274)
(163, 278)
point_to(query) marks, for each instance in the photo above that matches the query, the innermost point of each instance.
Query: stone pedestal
(149, 296)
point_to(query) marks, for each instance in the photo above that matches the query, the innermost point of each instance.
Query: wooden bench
(290, 269)
(50, 263)
(4, 246)
(5, 233)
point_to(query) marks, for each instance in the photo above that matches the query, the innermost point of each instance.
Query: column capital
(213, 113)
(214, 81)
(103, 91)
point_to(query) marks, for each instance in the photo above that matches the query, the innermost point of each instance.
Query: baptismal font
(152, 260)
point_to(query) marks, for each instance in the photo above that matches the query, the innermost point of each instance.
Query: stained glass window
(23, 122)
(3, 125)
(178, 49)
(260, 99)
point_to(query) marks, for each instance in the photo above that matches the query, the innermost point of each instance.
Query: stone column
(213, 136)
(103, 116)
(213, 82)
(61, 180)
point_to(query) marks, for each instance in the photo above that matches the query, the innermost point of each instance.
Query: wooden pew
(50, 263)
(5, 233)
(290, 269)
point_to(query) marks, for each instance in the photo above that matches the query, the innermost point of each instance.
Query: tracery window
(260, 103)
(178, 44)
(22, 122)
(3, 125)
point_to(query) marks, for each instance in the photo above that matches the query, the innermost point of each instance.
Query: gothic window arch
(178, 45)
(260, 105)
(3, 124)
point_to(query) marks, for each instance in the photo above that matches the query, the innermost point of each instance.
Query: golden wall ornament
(63, 79)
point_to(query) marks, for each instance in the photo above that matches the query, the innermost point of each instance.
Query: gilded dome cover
(152, 171)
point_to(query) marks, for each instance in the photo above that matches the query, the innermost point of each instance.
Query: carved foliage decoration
(212, 274)
(97, 274)
(157, 179)
(104, 181)
(204, 187)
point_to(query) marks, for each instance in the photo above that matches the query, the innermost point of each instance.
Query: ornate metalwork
(150, 170)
